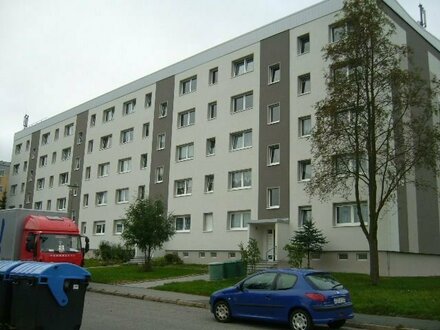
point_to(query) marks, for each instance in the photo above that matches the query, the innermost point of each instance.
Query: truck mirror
(87, 246)
(30, 243)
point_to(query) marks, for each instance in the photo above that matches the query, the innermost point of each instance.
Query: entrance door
(270, 243)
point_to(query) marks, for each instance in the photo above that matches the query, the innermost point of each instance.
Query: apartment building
(222, 138)
(4, 179)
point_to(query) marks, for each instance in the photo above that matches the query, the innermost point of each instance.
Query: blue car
(301, 297)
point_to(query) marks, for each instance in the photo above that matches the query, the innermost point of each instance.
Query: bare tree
(375, 126)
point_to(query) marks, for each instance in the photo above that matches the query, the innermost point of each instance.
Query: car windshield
(60, 243)
(323, 281)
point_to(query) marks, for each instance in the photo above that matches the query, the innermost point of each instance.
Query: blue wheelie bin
(48, 296)
(5, 290)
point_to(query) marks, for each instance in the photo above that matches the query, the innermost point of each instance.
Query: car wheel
(222, 312)
(336, 324)
(300, 320)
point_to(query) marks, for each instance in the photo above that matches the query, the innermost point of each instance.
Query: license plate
(339, 300)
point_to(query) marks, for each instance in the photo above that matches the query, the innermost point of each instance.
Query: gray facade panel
(32, 168)
(164, 125)
(274, 51)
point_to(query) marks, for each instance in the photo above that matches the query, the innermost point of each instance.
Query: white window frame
(161, 141)
(124, 165)
(42, 161)
(274, 73)
(101, 198)
(271, 111)
(304, 84)
(243, 65)
(354, 220)
(122, 196)
(93, 120)
(182, 223)
(108, 115)
(208, 222)
(45, 138)
(213, 76)
(103, 170)
(334, 35)
(99, 228)
(87, 173)
(271, 196)
(128, 107)
(301, 126)
(127, 135)
(40, 183)
(241, 175)
(210, 146)
(163, 109)
(64, 179)
(243, 222)
(271, 154)
(303, 174)
(144, 161)
(145, 130)
(90, 146)
(62, 204)
(118, 226)
(85, 200)
(185, 184)
(159, 174)
(245, 98)
(105, 142)
(188, 85)
(209, 183)
(186, 118)
(304, 40)
(185, 152)
(66, 153)
(240, 140)
(68, 130)
(212, 110)
(148, 100)
(304, 214)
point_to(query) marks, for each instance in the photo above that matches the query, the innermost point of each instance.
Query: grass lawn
(417, 297)
(132, 273)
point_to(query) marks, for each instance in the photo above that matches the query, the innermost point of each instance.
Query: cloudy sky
(57, 54)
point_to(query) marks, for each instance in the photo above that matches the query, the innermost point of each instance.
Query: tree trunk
(374, 261)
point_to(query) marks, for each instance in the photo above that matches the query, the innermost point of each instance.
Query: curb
(369, 326)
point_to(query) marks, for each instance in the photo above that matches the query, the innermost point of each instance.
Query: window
(90, 146)
(304, 170)
(347, 214)
(231, 255)
(122, 195)
(210, 146)
(40, 184)
(13, 189)
(128, 107)
(161, 141)
(92, 120)
(45, 139)
(183, 223)
(304, 215)
(83, 228)
(23, 185)
(43, 161)
(145, 130)
(241, 140)
(186, 118)
(88, 172)
(61, 203)
(108, 115)
(273, 155)
(243, 65)
(48, 205)
(238, 220)
(25, 163)
(51, 179)
(118, 227)
(213, 76)
(65, 154)
(303, 44)
(260, 282)
(57, 134)
(77, 163)
(240, 179)
(79, 139)
(15, 169)
(68, 130)
(209, 183)
(183, 187)
(28, 144)
(212, 110)
(188, 85)
(337, 32)
(124, 165)
(103, 169)
(202, 254)
(99, 227)
(159, 174)
(163, 109)
(64, 178)
(54, 157)
(148, 99)
(345, 164)
(273, 198)
(18, 148)
(144, 161)
(2, 172)
(305, 126)
(208, 222)
(101, 198)
(185, 152)
(106, 142)
(213, 254)
(127, 135)
(85, 200)
(343, 256)
(274, 73)
(304, 86)
(362, 256)
(141, 192)
(242, 102)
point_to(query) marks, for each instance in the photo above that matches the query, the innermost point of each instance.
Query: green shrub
(172, 259)
(114, 253)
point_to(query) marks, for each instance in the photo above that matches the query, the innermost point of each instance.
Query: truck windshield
(60, 243)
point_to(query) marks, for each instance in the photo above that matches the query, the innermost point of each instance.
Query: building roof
(304, 16)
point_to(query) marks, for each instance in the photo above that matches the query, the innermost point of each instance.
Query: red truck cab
(51, 239)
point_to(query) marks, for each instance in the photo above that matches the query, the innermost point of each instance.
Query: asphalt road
(106, 312)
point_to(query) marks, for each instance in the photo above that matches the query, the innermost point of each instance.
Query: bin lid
(51, 274)
(7, 265)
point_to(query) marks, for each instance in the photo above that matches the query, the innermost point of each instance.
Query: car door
(253, 298)
(284, 296)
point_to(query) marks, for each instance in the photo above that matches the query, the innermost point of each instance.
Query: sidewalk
(142, 290)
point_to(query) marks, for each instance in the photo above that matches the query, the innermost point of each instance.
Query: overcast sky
(57, 54)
